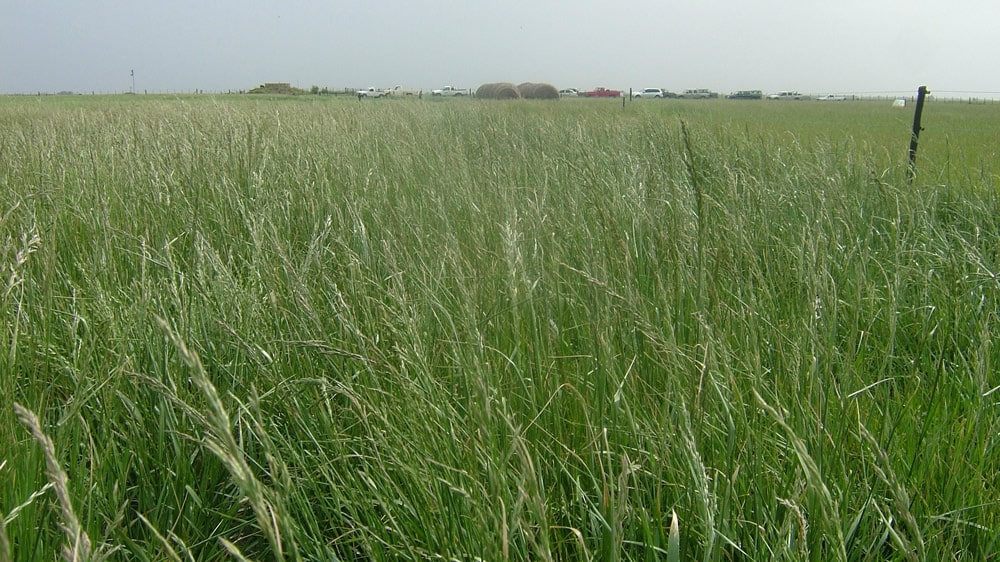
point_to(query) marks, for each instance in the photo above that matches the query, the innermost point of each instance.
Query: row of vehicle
(384, 92)
(447, 91)
(792, 95)
(646, 93)
(739, 95)
(601, 92)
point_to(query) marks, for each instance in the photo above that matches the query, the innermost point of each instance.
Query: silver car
(650, 93)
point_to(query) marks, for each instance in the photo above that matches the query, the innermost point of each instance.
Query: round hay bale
(498, 91)
(538, 91)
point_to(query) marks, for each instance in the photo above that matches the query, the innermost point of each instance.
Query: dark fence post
(922, 92)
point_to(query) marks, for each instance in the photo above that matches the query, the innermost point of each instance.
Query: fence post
(922, 92)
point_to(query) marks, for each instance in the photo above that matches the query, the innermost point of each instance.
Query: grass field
(304, 328)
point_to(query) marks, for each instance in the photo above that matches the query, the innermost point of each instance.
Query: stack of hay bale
(538, 91)
(526, 90)
(498, 91)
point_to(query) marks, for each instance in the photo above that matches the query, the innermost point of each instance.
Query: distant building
(276, 88)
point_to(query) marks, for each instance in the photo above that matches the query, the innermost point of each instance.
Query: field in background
(304, 328)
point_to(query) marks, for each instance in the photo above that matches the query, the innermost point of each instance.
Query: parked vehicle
(699, 94)
(832, 97)
(569, 92)
(650, 93)
(401, 91)
(746, 95)
(602, 93)
(372, 93)
(449, 91)
(787, 95)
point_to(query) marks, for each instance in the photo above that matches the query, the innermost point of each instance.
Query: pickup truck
(401, 91)
(601, 93)
(372, 93)
(449, 91)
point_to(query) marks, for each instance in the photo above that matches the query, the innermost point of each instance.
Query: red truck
(601, 93)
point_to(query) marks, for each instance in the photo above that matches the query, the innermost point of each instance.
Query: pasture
(324, 329)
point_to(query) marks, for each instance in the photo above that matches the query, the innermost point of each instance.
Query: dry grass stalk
(79, 543)
(4, 543)
(221, 442)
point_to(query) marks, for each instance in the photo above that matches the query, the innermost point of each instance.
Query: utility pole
(133, 80)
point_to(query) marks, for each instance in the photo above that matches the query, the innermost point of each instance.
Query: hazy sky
(219, 45)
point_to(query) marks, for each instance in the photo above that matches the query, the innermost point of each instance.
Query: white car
(788, 95)
(832, 97)
(568, 92)
(650, 93)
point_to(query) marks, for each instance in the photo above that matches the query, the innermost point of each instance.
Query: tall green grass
(311, 329)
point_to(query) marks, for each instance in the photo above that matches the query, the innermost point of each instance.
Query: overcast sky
(219, 45)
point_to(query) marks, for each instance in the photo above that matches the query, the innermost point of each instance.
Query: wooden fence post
(922, 92)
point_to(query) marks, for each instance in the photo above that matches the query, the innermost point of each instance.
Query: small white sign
(899, 103)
